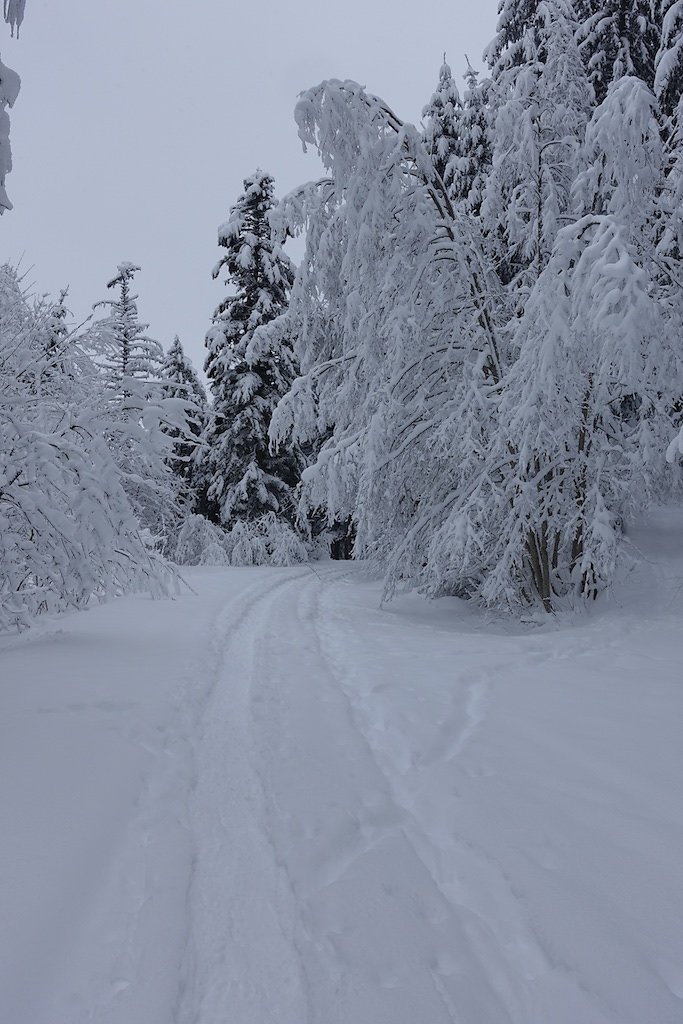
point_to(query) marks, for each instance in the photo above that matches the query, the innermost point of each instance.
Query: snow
(275, 801)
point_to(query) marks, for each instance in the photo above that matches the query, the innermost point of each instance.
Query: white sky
(138, 120)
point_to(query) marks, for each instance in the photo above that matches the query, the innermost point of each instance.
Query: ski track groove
(401, 823)
(495, 943)
(230, 626)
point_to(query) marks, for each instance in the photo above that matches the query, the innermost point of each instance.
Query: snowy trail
(240, 964)
(382, 943)
(278, 803)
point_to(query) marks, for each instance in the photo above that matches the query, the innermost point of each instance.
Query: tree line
(472, 380)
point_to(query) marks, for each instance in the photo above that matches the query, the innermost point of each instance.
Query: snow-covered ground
(275, 802)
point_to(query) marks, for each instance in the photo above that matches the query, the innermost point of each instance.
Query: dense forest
(473, 380)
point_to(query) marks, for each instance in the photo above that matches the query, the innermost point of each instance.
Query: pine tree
(668, 83)
(249, 370)
(441, 131)
(616, 38)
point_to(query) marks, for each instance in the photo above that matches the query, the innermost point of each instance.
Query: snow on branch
(13, 12)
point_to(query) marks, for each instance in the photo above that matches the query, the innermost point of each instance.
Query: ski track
(332, 882)
(335, 852)
(238, 958)
(382, 941)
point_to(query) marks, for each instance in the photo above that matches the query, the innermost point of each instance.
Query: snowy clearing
(275, 802)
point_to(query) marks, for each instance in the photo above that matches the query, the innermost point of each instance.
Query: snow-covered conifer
(618, 37)
(13, 13)
(472, 159)
(180, 381)
(132, 353)
(542, 102)
(143, 419)
(668, 83)
(249, 371)
(441, 124)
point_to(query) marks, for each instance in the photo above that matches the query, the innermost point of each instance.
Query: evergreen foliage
(668, 82)
(249, 368)
(132, 354)
(442, 130)
(144, 421)
(616, 38)
(180, 381)
(542, 102)
(472, 160)
(478, 357)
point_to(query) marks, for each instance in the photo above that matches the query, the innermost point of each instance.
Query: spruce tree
(141, 417)
(541, 103)
(132, 354)
(180, 381)
(617, 38)
(56, 333)
(442, 115)
(472, 160)
(249, 369)
(669, 60)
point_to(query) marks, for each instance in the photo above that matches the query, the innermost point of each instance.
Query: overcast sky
(137, 122)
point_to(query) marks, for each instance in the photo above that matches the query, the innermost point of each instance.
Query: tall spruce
(249, 370)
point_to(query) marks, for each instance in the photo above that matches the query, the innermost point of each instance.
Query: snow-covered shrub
(266, 541)
(200, 542)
